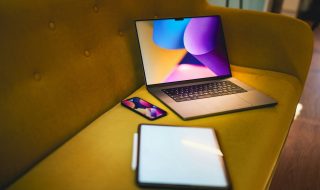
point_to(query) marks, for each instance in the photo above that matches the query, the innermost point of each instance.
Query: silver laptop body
(184, 61)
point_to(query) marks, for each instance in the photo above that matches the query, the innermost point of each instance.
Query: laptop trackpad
(210, 105)
(256, 98)
(229, 102)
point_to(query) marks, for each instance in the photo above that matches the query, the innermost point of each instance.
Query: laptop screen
(182, 49)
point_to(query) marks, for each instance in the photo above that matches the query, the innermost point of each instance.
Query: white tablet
(174, 157)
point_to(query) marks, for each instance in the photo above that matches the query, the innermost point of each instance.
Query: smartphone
(143, 108)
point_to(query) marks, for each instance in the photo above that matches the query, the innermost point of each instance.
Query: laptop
(186, 67)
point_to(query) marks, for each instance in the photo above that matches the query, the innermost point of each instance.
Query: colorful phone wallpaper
(182, 49)
(144, 107)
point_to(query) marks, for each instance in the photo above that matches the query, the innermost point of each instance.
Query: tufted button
(155, 16)
(95, 8)
(120, 33)
(52, 25)
(36, 76)
(87, 53)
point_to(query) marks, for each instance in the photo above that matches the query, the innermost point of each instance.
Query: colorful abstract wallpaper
(143, 107)
(182, 49)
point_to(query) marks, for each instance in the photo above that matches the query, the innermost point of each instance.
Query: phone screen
(144, 108)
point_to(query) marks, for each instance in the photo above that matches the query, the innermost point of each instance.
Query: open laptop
(187, 68)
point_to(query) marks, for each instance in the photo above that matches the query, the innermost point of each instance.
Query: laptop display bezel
(183, 81)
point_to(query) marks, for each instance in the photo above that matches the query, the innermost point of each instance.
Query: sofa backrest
(62, 64)
(65, 62)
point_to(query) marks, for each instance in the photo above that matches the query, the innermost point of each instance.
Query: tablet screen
(180, 156)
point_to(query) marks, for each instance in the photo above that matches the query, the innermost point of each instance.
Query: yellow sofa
(65, 65)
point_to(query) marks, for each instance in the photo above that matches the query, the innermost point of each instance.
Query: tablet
(179, 157)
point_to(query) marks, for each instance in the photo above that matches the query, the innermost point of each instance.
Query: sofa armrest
(266, 40)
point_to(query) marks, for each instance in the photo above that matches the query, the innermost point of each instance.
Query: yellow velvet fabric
(99, 157)
(65, 62)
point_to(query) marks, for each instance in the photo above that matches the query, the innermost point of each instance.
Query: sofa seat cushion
(99, 157)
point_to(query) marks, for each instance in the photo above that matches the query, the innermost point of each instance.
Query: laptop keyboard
(207, 90)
